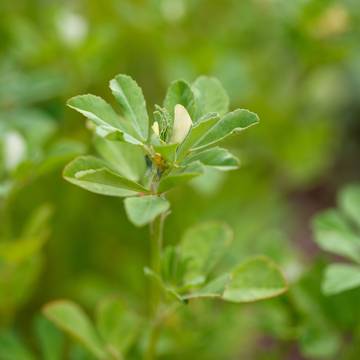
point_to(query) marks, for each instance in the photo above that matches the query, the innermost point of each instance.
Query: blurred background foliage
(296, 63)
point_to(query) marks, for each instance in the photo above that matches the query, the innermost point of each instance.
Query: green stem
(156, 240)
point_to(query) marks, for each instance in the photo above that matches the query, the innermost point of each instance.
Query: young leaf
(201, 248)
(180, 176)
(101, 114)
(132, 102)
(167, 151)
(255, 279)
(195, 134)
(126, 159)
(232, 122)
(210, 96)
(70, 318)
(142, 210)
(333, 234)
(341, 277)
(179, 92)
(349, 200)
(92, 174)
(117, 325)
(216, 157)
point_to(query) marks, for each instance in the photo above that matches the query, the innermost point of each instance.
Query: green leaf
(51, 340)
(142, 210)
(102, 115)
(255, 279)
(179, 92)
(126, 159)
(333, 234)
(210, 96)
(232, 122)
(213, 289)
(180, 176)
(131, 99)
(216, 157)
(197, 131)
(201, 247)
(12, 348)
(167, 151)
(349, 200)
(340, 277)
(117, 325)
(93, 174)
(70, 318)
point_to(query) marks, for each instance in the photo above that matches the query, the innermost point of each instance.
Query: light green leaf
(232, 122)
(131, 99)
(349, 200)
(195, 134)
(179, 92)
(102, 115)
(201, 248)
(340, 277)
(214, 289)
(216, 157)
(141, 210)
(70, 318)
(180, 176)
(255, 279)
(333, 234)
(94, 175)
(126, 159)
(210, 96)
(117, 325)
(50, 339)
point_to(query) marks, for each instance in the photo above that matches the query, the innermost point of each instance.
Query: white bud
(15, 149)
(155, 128)
(182, 124)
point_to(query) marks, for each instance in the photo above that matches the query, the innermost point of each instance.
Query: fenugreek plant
(141, 160)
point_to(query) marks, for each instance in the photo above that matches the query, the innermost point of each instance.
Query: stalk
(156, 240)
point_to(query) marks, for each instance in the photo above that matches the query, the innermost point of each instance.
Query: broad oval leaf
(210, 96)
(70, 318)
(141, 210)
(93, 174)
(340, 277)
(179, 92)
(232, 122)
(216, 157)
(201, 248)
(102, 115)
(126, 159)
(255, 279)
(333, 234)
(131, 99)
